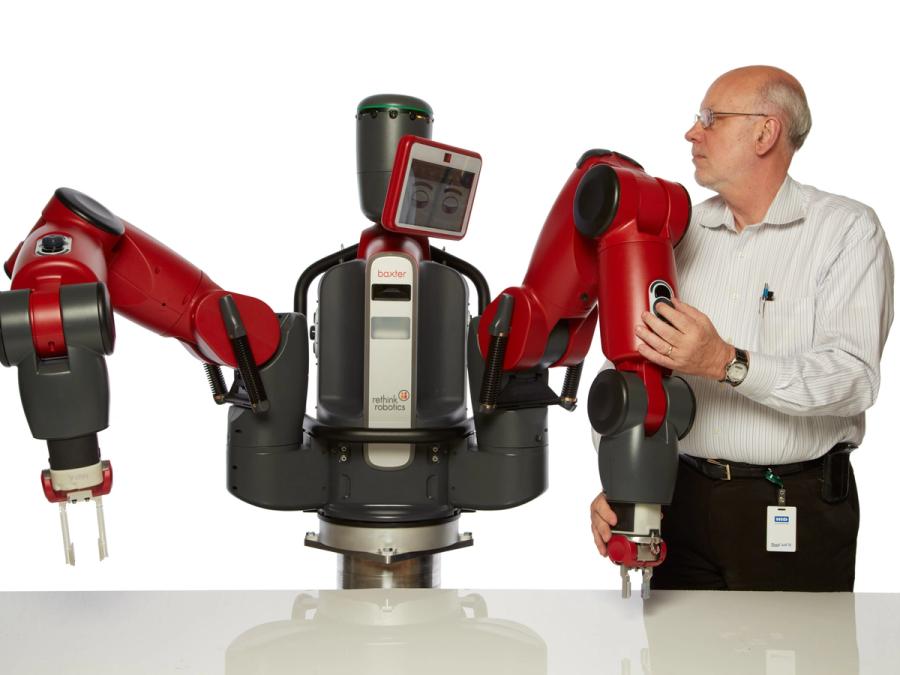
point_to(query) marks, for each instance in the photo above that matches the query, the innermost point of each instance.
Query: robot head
(431, 190)
(381, 121)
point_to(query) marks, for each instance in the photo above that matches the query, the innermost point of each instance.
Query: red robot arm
(78, 264)
(607, 240)
(147, 282)
(606, 251)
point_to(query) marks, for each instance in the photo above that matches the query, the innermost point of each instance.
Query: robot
(390, 460)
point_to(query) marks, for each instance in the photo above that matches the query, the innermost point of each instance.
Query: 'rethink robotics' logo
(391, 403)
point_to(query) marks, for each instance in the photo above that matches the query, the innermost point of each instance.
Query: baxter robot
(391, 459)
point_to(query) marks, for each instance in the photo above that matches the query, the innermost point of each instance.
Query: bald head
(777, 92)
(752, 122)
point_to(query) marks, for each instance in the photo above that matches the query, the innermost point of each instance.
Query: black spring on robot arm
(243, 354)
(259, 402)
(499, 331)
(568, 397)
(216, 382)
(490, 383)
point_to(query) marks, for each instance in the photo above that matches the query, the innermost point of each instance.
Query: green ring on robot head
(388, 106)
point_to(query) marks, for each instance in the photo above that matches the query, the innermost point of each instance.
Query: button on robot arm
(78, 264)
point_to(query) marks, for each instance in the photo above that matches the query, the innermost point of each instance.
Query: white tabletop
(448, 631)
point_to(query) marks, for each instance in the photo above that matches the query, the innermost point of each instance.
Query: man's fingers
(681, 320)
(655, 357)
(602, 520)
(685, 308)
(598, 542)
(662, 329)
(601, 527)
(601, 508)
(608, 514)
(699, 318)
(652, 339)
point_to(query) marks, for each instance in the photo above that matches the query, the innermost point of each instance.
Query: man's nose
(693, 134)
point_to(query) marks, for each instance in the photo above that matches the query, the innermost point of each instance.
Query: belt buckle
(722, 464)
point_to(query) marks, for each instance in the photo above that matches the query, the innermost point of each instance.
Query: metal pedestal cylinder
(388, 555)
(360, 571)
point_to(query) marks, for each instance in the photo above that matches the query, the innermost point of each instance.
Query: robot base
(392, 556)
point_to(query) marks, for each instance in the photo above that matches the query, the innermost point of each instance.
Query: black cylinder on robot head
(381, 121)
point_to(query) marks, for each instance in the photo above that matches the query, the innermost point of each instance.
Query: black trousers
(715, 531)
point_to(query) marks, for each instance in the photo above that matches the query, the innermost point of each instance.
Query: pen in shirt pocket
(764, 297)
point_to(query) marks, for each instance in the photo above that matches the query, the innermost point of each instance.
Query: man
(791, 298)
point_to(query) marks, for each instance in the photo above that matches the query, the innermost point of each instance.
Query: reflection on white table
(439, 632)
(446, 631)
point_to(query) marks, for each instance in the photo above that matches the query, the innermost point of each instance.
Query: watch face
(737, 372)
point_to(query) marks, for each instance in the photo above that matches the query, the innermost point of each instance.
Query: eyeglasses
(707, 116)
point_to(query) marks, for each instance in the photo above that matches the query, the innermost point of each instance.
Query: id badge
(781, 529)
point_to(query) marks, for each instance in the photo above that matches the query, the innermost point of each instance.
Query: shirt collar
(789, 206)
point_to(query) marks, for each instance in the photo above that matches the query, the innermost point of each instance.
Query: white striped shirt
(814, 349)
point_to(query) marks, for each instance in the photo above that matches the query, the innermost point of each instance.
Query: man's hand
(602, 520)
(691, 345)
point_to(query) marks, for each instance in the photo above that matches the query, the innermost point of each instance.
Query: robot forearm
(65, 398)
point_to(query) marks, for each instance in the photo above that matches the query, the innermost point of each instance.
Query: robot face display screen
(432, 189)
(436, 196)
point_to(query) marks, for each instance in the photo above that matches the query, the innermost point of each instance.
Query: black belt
(718, 469)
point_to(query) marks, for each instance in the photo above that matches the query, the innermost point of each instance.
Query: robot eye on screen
(391, 459)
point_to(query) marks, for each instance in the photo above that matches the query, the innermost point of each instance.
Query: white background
(227, 132)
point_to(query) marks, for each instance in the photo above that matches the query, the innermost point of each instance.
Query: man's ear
(767, 135)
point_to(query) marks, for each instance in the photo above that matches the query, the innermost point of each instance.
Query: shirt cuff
(761, 376)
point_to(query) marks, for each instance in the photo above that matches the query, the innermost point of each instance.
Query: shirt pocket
(787, 326)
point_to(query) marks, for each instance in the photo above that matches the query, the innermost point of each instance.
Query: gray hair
(787, 96)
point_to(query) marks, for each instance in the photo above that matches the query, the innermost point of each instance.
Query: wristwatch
(736, 369)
